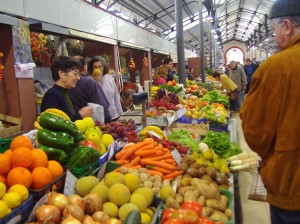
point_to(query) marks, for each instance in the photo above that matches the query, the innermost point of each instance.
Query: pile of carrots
(151, 155)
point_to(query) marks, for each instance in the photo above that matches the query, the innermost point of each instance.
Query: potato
(179, 198)
(208, 191)
(172, 203)
(192, 172)
(196, 181)
(228, 212)
(206, 211)
(188, 196)
(148, 184)
(224, 200)
(184, 166)
(220, 216)
(182, 190)
(155, 190)
(212, 172)
(215, 204)
(197, 193)
(201, 172)
(157, 178)
(195, 165)
(201, 200)
(183, 182)
(206, 177)
(157, 184)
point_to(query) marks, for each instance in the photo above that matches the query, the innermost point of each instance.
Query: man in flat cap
(271, 115)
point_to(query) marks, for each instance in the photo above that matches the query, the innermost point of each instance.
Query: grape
(114, 135)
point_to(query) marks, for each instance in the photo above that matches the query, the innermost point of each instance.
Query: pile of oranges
(28, 166)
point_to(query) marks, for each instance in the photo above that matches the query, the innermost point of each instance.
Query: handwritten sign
(70, 184)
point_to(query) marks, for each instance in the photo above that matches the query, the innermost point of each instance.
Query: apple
(90, 130)
(89, 122)
(93, 137)
(102, 149)
(80, 124)
(99, 132)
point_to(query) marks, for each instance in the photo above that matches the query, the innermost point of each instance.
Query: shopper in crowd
(238, 76)
(65, 73)
(160, 75)
(99, 70)
(270, 115)
(249, 68)
(168, 63)
(126, 100)
(227, 69)
(88, 91)
(188, 73)
(84, 70)
(226, 82)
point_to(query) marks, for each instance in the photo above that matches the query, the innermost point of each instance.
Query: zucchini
(134, 217)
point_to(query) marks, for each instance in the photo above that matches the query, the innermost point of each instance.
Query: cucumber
(134, 217)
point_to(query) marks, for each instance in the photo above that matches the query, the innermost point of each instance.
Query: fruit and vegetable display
(164, 99)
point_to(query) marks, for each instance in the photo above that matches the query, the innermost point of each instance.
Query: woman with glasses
(65, 73)
(98, 68)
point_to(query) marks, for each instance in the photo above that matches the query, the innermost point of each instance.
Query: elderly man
(238, 76)
(270, 115)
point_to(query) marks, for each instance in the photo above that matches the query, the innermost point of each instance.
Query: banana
(154, 128)
(58, 113)
(37, 125)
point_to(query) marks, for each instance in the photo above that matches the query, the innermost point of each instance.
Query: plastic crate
(5, 144)
(216, 126)
(90, 169)
(20, 214)
(189, 120)
(56, 185)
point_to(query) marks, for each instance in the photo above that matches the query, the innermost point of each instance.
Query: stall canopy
(241, 20)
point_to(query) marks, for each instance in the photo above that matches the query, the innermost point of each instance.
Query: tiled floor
(254, 212)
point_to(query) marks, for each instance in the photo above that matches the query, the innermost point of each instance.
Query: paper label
(70, 182)
(176, 156)
(101, 172)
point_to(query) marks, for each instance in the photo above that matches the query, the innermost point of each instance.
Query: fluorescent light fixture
(92, 37)
(163, 52)
(131, 45)
(209, 18)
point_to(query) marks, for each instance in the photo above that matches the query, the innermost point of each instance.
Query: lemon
(113, 178)
(145, 218)
(139, 201)
(2, 189)
(107, 139)
(147, 193)
(80, 124)
(125, 209)
(99, 132)
(132, 181)
(3, 209)
(166, 192)
(89, 122)
(21, 190)
(12, 199)
(119, 194)
(150, 212)
(111, 209)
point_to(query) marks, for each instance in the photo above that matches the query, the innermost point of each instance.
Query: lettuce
(184, 138)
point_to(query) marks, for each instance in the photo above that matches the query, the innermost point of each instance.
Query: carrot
(164, 171)
(162, 157)
(129, 153)
(159, 147)
(134, 167)
(160, 164)
(143, 153)
(122, 162)
(123, 152)
(145, 142)
(135, 161)
(155, 172)
(166, 150)
(146, 147)
(172, 175)
(170, 160)
(159, 152)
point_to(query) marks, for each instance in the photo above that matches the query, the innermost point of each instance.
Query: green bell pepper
(56, 139)
(83, 156)
(58, 155)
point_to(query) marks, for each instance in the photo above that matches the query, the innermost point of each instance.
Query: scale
(139, 117)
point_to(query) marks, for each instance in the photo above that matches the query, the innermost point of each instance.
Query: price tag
(154, 134)
(180, 112)
(111, 150)
(101, 172)
(70, 182)
(15, 219)
(161, 121)
(194, 121)
(176, 156)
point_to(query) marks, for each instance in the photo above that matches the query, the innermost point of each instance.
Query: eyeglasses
(76, 73)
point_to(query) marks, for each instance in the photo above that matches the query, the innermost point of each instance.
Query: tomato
(205, 220)
(186, 216)
(167, 214)
(173, 221)
(194, 206)
(90, 144)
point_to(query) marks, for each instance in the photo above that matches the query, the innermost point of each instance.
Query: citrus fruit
(101, 190)
(2, 189)
(8, 152)
(80, 124)
(41, 176)
(39, 158)
(55, 168)
(3, 209)
(2, 178)
(125, 209)
(145, 218)
(107, 139)
(139, 201)
(19, 175)
(147, 193)
(21, 157)
(21, 190)
(21, 141)
(119, 194)
(166, 192)
(111, 209)
(89, 122)
(12, 199)
(5, 164)
(113, 178)
(132, 181)
(84, 185)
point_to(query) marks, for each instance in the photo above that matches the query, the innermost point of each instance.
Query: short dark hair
(96, 59)
(81, 60)
(215, 74)
(127, 93)
(248, 59)
(65, 64)
(167, 60)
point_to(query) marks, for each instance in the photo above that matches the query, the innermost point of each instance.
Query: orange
(8, 152)
(5, 164)
(19, 175)
(3, 179)
(39, 158)
(55, 168)
(41, 176)
(21, 141)
(21, 157)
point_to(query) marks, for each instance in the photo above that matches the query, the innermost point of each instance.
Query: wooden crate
(200, 129)
(12, 126)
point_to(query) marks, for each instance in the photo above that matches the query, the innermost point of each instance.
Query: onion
(75, 199)
(70, 220)
(75, 211)
(93, 203)
(48, 214)
(88, 220)
(100, 216)
(113, 221)
(59, 200)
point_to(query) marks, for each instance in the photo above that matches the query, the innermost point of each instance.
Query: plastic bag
(258, 191)
(233, 96)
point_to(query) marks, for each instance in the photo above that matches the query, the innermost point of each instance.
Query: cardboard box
(12, 126)
(161, 121)
(200, 129)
